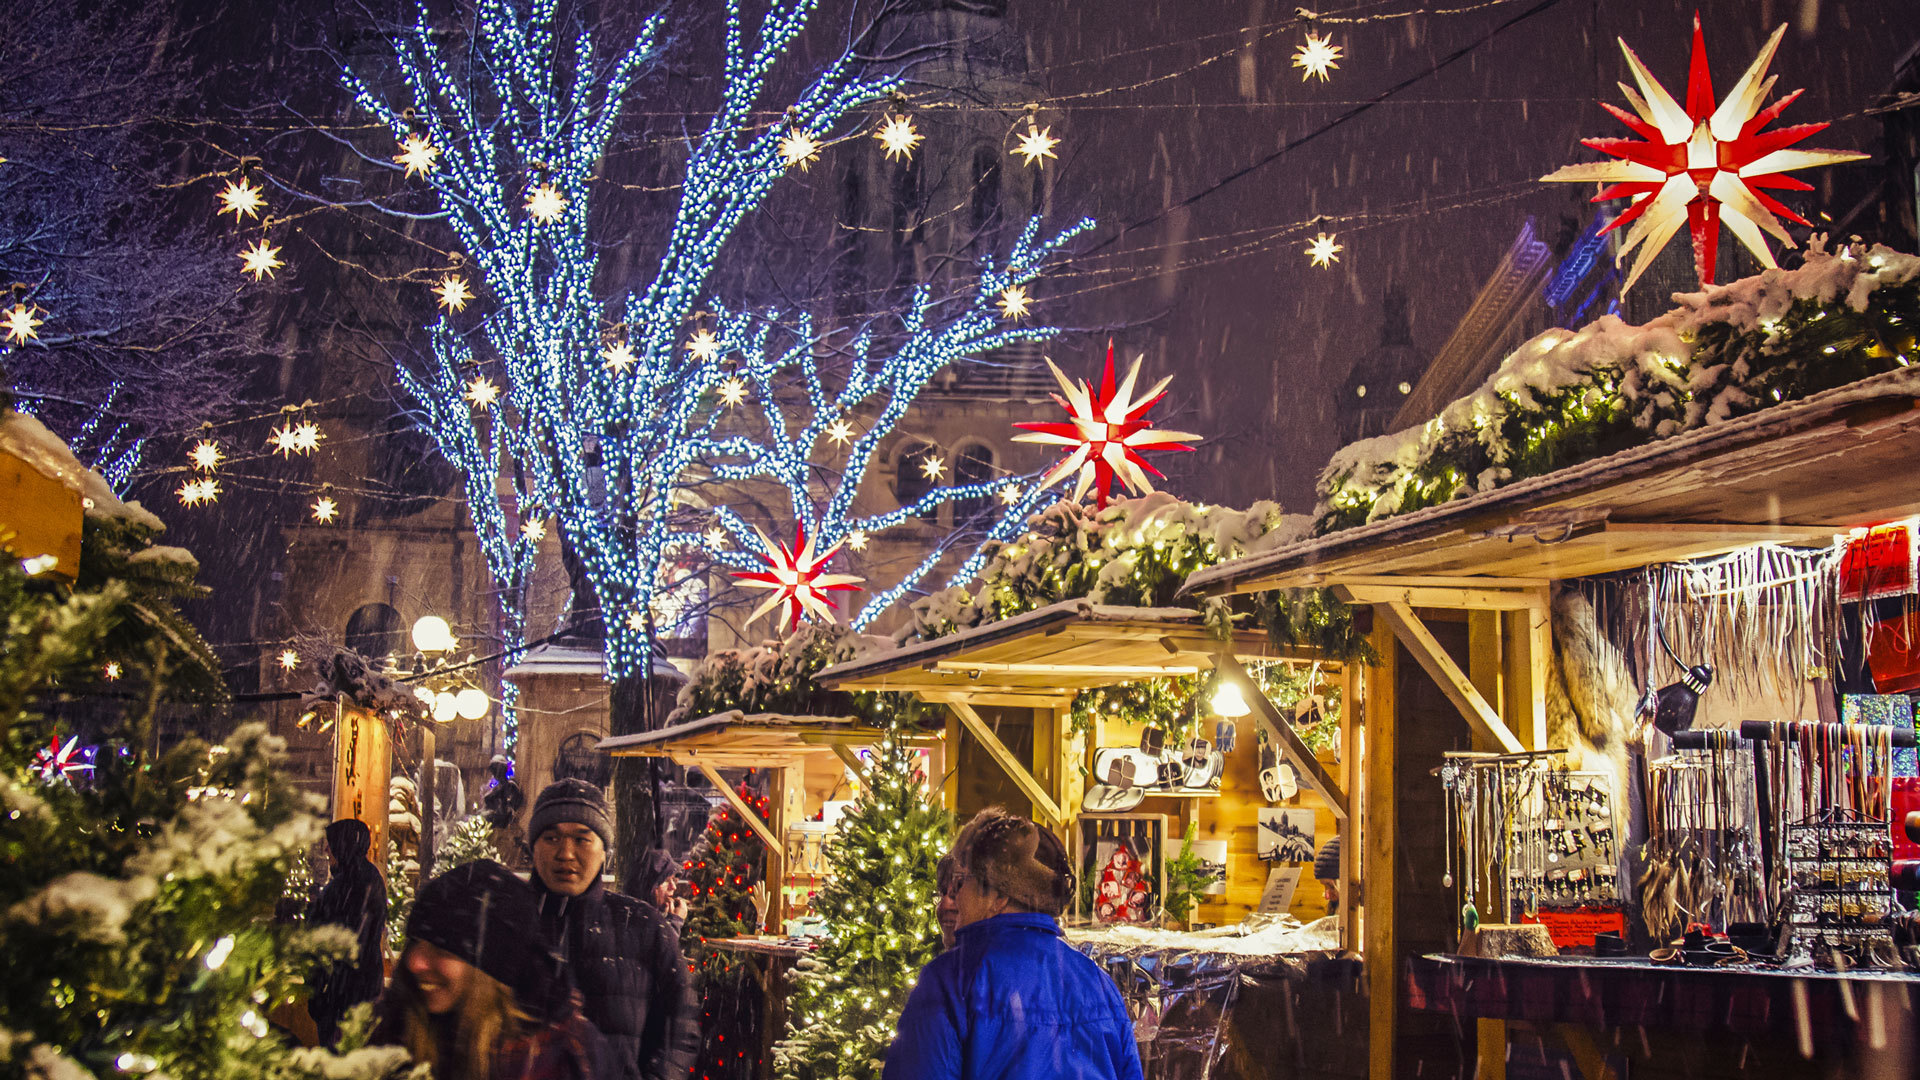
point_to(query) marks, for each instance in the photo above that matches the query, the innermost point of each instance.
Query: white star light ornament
(1036, 145)
(797, 577)
(453, 293)
(619, 356)
(481, 392)
(242, 197)
(1322, 251)
(206, 455)
(1014, 302)
(800, 148)
(545, 204)
(1700, 165)
(195, 492)
(703, 345)
(534, 530)
(291, 438)
(857, 539)
(732, 392)
(840, 431)
(1010, 494)
(932, 466)
(418, 154)
(1317, 56)
(898, 137)
(260, 260)
(1105, 431)
(288, 659)
(325, 509)
(20, 325)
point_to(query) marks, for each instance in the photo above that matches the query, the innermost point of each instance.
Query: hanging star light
(1322, 251)
(1701, 165)
(481, 392)
(289, 659)
(797, 578)
(296, 438)
(898, 137)
(1036, 145)
(1010, 494)
(733, 392)
(703, 345)
(112, 671)
(798, 147)
(716, 537)
(1317, 56)
(325, 509)
(1106, 429)
(1014, 302)
(20, 324)
(260, 260)
(240, 197)
(618, 356)
(57, 762)
(195, 492)
(418, 154)
(840, 432)
(932, 466)
(453, 293)
(534, 529)
(206, 455)
(545, 204)
(636, 621)
(857, 539)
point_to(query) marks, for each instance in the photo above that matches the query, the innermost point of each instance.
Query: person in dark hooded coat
(356, 898)
(657, 881)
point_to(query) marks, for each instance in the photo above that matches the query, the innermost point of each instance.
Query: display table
(783, 948)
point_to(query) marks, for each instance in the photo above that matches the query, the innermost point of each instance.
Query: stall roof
(735, 739)
(1052, 653)
(1794, 473)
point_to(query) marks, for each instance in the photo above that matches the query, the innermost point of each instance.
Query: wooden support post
(950, 756)
(1539, 668)
(852, 761)
(787, 803)
(1348, 828)
(1378, 828)
(1486, 667)
(1016, 771)
(1452, 681)
(1284, 738)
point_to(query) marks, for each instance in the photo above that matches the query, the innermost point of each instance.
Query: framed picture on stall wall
(1121, 860)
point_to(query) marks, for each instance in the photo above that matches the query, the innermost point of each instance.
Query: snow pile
(1135, 552)
(95, 908)
(348, 676)
(29, 440)
(776, 676)
(1572, 395)
(1260, 935)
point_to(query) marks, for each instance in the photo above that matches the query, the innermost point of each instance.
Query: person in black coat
(356, 898)
(623, 953)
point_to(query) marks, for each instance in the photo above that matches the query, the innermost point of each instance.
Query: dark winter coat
(1012, 1001)
(625, 959)
(356, 898)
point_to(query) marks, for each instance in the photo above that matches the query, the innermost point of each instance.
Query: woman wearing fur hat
(1011, 1000)
(476, 996)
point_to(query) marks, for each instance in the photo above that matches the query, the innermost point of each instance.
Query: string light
(418, 154)
(1014, 302)
(545, 203)
(1316, 56)
(452, 293)
(242, 197)
(1037, 145)
(1322, 251)
(260, 260)
(325, 509)
(20, 324)
(898, 137)
(206, 455)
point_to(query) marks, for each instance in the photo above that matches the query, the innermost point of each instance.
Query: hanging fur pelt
(1593, 696)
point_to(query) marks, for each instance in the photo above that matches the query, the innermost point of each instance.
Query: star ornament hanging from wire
(417, 154)
(797, 577)
(1317, 56)
(1701, 165)
(58, 762)
(1105, 431)
(20, 325)
(1037, 144)
(1323, 252)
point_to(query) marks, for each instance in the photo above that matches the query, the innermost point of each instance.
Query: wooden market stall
(1459, 595)
(1007, 688)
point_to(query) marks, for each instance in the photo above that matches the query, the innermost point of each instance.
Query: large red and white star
(1105, 431)
(797, 577)
(59, 762)
(1700, 165)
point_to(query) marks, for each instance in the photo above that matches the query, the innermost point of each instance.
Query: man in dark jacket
(356, 898)
(1011, 1000)
(623, 953)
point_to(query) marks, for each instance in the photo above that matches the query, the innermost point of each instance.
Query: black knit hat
(1326, 865)
(574, 801)
(481, 913)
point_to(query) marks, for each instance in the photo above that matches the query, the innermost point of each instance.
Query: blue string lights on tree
(551, 409)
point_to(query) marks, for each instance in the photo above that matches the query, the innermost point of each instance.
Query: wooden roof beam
(1118, 671)
(1433, 596)
(1453, 682)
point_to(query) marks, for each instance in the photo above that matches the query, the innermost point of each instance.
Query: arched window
(910, 479)
(375, 630)
(974, 465)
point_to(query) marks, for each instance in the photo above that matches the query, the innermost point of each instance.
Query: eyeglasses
(954, 886)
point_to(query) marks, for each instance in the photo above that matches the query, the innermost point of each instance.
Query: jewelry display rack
(1839, 901)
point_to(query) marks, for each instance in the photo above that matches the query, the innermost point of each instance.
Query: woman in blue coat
(1011, 1000)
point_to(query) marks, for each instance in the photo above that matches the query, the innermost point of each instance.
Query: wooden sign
(362, 772)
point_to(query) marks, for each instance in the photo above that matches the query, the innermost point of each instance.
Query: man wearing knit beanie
(624, 954)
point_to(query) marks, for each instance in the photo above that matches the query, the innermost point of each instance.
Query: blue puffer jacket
(1012, 1001)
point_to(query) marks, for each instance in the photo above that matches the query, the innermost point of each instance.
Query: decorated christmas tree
(721, 872)
(136, 910)
(879, 905)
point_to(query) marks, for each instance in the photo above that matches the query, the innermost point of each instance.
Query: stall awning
(1795, 473)
(745, 740)
(1052, 653)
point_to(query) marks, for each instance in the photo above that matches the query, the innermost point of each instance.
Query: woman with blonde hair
(477, 994)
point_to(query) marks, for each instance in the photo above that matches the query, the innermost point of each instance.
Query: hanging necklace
(1447, 787)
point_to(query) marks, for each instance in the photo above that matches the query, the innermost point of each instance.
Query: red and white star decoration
(1106, 430)
(1702, 165)
(59, 762)
(797, 577)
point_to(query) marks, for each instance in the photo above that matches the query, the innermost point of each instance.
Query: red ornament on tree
(797, 577)
(1106, 431)
(1702, 165)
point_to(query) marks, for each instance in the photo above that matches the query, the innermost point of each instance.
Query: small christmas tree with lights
(879, 905)
(721, 873)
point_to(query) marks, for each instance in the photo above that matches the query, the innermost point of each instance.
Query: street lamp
(432, 637)
(431, 634)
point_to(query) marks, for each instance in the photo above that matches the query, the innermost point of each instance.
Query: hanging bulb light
(1227, 700)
